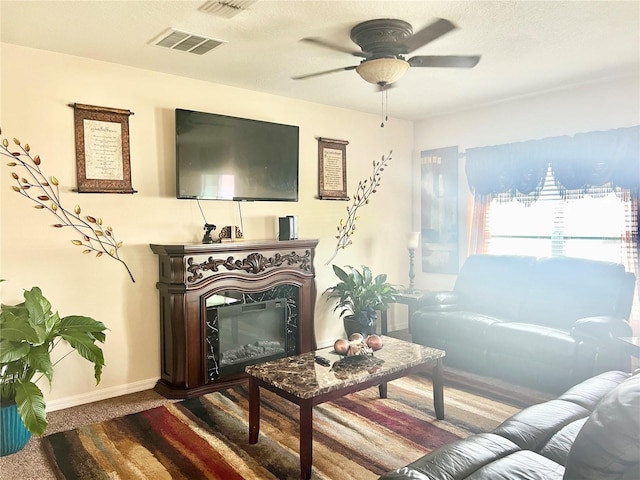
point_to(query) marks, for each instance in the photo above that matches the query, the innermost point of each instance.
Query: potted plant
(29, 332)
(360, 295)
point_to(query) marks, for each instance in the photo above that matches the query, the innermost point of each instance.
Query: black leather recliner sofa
(546, 323)
(591, 432)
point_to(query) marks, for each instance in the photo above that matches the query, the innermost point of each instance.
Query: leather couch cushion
(457, 460)
(583, 288)
(494, 285)
(533, 355)
(460, 334)
(608, 446)
(465, 327)
(523, 465)
(533, 427)
(558, 448)
(527, 339)
(589, 392)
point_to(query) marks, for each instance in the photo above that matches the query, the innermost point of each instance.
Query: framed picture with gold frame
(332, 169)
(103, 163)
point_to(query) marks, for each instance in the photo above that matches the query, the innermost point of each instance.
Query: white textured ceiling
(526, 46)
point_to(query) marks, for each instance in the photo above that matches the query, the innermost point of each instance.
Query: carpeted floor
(218, 422)
(31, 462)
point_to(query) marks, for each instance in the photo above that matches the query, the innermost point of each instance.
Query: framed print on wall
(332, 169)
(103, 163)
(439, 210)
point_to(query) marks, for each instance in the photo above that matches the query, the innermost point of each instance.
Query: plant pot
(13, 434)
(353, 325)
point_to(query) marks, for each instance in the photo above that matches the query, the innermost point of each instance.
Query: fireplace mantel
(189, 273)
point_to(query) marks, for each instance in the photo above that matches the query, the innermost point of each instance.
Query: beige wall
(37, 87)
(601, 105)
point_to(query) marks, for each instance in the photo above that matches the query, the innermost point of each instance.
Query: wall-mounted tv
(228, 158)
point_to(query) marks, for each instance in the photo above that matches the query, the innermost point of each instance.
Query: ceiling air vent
(226, 8)
(186, 42)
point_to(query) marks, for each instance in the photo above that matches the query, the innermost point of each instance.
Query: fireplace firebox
(243, 331)
(226, 306)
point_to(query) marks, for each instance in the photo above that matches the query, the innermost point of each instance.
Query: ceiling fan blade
(445, 61)
(317, 74)
(332, 46)
(428, 34)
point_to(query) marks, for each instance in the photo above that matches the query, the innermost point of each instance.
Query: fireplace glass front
(249, 333)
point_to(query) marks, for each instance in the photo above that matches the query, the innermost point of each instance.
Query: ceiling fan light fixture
(382, 71)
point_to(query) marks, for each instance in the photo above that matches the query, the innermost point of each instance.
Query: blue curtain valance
(578, 163)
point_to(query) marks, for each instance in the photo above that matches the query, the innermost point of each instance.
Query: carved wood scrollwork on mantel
(254, 263)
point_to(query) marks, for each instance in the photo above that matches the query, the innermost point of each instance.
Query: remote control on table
(325, 362)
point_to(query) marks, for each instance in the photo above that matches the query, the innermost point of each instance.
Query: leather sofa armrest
(599, 336)
(600, 329)
(442, 301)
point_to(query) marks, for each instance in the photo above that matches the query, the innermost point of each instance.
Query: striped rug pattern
(359, 436)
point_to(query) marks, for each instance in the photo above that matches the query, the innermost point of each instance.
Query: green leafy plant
(29, 332)
(33, 184)
(360, 294)
(366, 188)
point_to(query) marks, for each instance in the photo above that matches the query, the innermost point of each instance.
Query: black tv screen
(228, 158)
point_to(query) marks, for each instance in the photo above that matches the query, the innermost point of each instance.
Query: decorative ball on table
(374, 342)
(341, 346)
(357, 345)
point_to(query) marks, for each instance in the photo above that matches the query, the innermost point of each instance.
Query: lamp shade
(382, 71)
(413, 238)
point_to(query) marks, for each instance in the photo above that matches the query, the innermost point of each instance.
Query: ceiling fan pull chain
(385, 105)
(382, 108)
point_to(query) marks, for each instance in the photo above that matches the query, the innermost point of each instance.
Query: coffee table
(306, 383)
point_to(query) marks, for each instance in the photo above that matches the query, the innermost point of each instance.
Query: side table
(405, 297)
(631, 345)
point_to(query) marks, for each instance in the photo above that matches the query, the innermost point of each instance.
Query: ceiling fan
(384, 43)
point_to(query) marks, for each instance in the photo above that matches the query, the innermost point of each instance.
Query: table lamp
(413, 239)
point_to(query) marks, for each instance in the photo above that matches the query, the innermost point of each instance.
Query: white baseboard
(101, 394)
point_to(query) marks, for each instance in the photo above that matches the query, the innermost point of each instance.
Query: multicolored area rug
(358, 436)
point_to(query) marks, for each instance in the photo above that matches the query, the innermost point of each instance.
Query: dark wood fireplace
(197, 285)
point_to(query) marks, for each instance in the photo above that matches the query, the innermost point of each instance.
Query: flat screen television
(228, 158)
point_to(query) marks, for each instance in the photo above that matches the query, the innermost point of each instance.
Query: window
(591, 226)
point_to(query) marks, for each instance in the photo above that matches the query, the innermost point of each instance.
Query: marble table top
(301, 376)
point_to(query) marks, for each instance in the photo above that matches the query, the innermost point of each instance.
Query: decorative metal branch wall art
(44, 191)
(366, 188)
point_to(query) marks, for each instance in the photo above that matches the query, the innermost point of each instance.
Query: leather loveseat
(591, 432)
(546, 323)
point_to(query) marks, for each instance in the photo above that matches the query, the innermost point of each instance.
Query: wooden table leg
(254, 410)
(383, 390)
(383, 323)
(411, 309)
(438, 394)
(306, 439)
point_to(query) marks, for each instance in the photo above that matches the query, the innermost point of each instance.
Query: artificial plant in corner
(29, 332)
(366, 188)
(33, 184)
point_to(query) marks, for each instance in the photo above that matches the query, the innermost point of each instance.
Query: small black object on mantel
(207, 238)
(288, 227)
